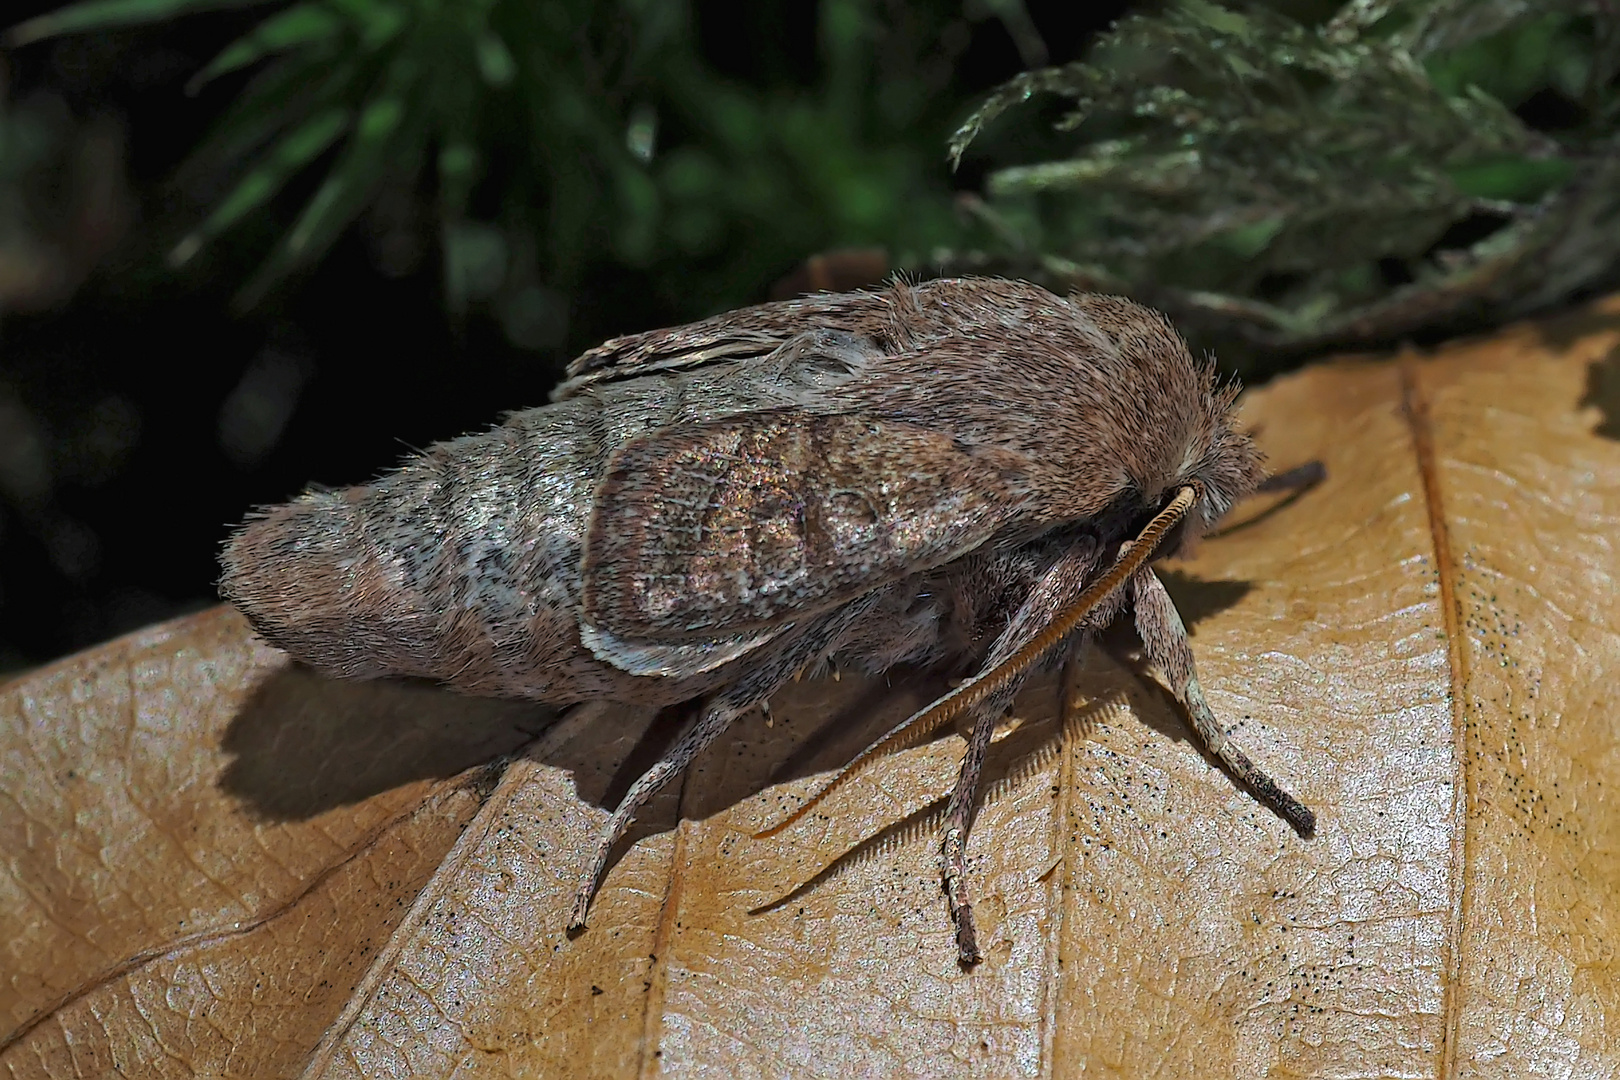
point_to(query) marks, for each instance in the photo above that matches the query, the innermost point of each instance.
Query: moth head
(1224, 463)
(1172, 423)
(1209, 454)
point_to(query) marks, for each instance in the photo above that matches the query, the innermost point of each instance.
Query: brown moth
(960, 473)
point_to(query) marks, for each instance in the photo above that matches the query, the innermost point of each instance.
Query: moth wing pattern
(747, 524)
(736, 335)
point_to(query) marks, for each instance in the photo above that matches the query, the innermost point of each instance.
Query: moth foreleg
(1057, 588)
(1164, 641)
(958, 819)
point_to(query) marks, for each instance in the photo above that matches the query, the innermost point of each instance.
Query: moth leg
(958, 817)
(1061, 583)
(758, 683)
(708, 726)
(1164, 640)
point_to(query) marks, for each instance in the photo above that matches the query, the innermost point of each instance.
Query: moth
(962, 473)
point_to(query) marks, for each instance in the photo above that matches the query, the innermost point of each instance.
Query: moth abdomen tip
(297, 573)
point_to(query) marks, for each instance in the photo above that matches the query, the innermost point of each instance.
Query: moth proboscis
(961, 473)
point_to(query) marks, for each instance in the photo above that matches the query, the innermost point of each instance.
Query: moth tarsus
(953, 874)
(853, 480)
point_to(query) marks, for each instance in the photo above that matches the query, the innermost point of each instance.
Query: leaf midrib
(1419, 421)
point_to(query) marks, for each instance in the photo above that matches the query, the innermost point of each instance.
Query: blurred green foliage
(1282, 177)
(554, 135)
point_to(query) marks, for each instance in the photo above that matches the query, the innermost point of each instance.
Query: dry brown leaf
(217, 865)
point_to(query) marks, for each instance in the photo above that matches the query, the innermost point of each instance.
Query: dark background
(140, 416)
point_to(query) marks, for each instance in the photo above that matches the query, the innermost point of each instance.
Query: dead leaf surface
(218, 865)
